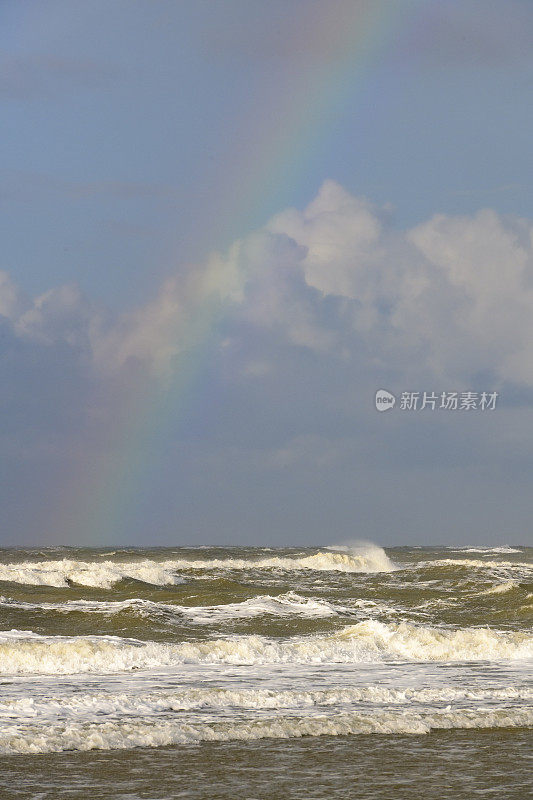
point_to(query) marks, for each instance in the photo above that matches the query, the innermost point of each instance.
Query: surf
(369, 641)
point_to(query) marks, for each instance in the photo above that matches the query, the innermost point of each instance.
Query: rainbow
(102, 501)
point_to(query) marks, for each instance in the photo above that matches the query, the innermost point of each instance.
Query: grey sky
(200, 294)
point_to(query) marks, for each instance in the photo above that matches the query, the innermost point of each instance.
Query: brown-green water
(259, 673)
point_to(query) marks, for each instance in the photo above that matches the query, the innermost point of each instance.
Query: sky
(225, 225)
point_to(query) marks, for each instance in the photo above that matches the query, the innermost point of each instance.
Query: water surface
(257, 672)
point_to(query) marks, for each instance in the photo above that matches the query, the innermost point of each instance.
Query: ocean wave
(500, 588)
(102, 575)
(284, 605)
(500, 549)
(105, 574)
(93, 705)
(118, 735)
(367, 641)
(472, 563)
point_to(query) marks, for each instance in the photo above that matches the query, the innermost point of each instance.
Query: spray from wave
(366, 554)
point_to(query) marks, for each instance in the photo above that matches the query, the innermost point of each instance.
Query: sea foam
(503, 549)
(289, 604)
(105, 574)
(367, 641)
(117, 735)
(88, 573)
(94, 705)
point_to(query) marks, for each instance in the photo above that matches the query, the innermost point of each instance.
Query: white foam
(510, 566)
(368, 558)
(88, 573)
(116, 735)
(501, 549)
(92, 705)
(367, 641)
(285, 605)
(364, 552)
(500, 588)
(105, 574)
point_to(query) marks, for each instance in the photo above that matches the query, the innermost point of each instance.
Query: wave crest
(368, 641)
(101, 575)
(284, 605)
(107, 573)
(119, 735)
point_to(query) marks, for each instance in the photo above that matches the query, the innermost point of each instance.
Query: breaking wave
(119, 735)
(96, 704)
(88, 573)
(501, 549)
(285, 605)
(517, 567)
(500, 588)
(106, 573)
(367, 641)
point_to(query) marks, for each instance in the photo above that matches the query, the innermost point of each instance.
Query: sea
(345, 670)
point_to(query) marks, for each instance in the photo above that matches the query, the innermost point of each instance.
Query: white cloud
(59, 315)
(453, 297)
(342, 238)
(455, 293)
(276, 294)
(11, 300)
(303, 320)
(175, 320)
(488, 261)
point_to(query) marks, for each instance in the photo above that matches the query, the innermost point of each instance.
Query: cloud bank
(301, 321)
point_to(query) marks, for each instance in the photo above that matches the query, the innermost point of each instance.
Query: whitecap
(119, 735)
(366, 641)
(105, 574)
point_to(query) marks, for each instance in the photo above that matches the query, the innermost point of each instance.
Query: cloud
(488, 262)
(11, 300)
(298, 324)
(175, 320)
(453, 294)
(341, 235)
(59, 315)
(451, 298)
